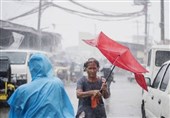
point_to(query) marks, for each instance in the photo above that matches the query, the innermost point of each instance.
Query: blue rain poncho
(44, 97)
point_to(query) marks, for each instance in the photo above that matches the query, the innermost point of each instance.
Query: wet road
(4, 112)
(124, 102)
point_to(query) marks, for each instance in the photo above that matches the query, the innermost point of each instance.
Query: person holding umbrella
(120, 56)
(90, 91)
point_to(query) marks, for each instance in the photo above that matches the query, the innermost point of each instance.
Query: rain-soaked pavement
(124, 102)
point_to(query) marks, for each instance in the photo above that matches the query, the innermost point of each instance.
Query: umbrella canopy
(120, 56)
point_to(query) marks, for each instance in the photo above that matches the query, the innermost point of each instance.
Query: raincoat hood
(43, 97)
(40, 66)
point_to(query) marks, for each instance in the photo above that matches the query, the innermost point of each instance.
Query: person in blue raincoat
(44, 97)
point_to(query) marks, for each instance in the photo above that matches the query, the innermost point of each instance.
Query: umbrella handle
(110, 73)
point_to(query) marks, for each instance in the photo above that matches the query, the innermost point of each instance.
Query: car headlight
(22, 76)
(19, 79)
(18, 76)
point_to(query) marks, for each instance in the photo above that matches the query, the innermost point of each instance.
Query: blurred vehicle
(156, 57)
(156, 102)
(6, 87)
(61, 69)
(78, 70)
(19, 64)
(131, 75)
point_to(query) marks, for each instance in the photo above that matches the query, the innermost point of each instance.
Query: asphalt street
(124, 102)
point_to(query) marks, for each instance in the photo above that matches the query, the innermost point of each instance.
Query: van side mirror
(148, 81)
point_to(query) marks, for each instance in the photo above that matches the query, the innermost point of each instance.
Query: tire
(143, 110)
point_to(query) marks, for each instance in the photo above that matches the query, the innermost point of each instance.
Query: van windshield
(161, 57)
(15, 57)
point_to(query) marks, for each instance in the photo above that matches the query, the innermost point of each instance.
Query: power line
(102, 12)
(98, 15)
(44, 6)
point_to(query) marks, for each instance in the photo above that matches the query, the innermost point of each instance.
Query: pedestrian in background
(91, 90)
(44, 97)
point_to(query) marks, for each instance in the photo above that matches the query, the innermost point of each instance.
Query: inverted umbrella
(120, 56)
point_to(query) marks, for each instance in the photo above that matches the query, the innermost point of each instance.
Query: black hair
(89, 61)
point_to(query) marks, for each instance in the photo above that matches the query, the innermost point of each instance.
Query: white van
(156, 102)
(157, 55)
(19, 64)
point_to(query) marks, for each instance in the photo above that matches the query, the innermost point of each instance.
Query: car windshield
(15, 57)
(4, 62)
(161, 57)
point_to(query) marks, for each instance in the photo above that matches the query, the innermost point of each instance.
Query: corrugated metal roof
(17, 28)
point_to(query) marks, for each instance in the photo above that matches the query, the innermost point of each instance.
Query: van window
(165, 80)
(4, 63)
(15, 57)
(159, 77)
(149, 58)
(161, 57)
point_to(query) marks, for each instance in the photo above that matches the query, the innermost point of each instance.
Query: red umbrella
(120, 56)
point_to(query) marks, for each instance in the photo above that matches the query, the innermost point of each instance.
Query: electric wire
(99, 11)
(100, 15)
(44, 6)
(103, 16)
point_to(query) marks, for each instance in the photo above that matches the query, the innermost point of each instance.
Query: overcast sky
(69, 24)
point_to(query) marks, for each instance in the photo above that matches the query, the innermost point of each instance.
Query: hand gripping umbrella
(119, 56)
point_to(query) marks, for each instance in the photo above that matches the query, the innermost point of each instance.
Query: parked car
(156, 102)
(19, 64)
(157, 55)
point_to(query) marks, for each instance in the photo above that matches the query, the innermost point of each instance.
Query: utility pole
(162, 24)
(39, 15)
(137, 24)
(146, 25)
(39, 23)
(145, 4)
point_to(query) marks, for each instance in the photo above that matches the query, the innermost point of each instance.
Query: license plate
(3, 97)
